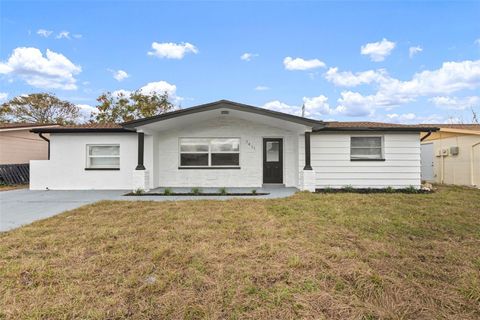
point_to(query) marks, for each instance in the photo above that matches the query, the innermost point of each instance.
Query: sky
(402, 62)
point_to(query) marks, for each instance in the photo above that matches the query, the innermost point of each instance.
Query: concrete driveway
(20, 207)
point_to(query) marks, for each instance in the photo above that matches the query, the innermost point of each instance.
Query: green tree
(130, 106)
(39, 108)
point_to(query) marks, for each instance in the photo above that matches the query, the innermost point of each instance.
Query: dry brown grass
(4, 187)
(311, 256)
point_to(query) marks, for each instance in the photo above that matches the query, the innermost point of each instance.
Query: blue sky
(410, 62)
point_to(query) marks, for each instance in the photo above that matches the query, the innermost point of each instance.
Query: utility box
(454, 151)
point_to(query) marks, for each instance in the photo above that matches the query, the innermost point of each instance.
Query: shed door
(272, 160)
(427, 162)
(476, 165)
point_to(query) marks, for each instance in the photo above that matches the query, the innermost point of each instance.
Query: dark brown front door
(272, 160)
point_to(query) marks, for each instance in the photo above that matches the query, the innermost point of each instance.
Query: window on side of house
(103, 156)
(209, 152)
(366, 148)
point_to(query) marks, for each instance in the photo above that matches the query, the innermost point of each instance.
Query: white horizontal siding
(333, 167)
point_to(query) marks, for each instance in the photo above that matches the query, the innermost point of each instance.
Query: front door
(272, 160)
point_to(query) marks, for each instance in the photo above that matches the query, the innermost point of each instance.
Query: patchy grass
(311, 256)
(5, 187)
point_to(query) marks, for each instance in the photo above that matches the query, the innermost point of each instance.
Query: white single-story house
(228, 144)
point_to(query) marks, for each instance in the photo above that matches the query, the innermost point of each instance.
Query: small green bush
(223, 191)
(167, 191)
(411, 189)
(328, 189)
(138, 191)
(196, 191)
(389, 189)
(254, 191)
(348, 188)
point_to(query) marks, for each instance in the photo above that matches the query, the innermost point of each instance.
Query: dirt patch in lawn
(310, 256)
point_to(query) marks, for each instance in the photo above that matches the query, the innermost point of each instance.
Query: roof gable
(224, 104)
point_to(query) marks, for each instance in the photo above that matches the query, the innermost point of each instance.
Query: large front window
(105, 156)
(209, 152)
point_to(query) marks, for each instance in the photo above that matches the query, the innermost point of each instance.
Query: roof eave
(81, 130)
(394, 129)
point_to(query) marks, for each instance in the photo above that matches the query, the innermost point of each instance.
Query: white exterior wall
(330, 157)
(66, 168)
(250, 174)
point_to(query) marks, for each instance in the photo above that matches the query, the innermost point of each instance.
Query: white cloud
(261, 88)
(77, 36)
(477, 42)
(120, 75)
(412, 118)
(158, 87)
(277, 105)
(301, 64)
(354, 104)
(44, 33)
(414, 50)
(3, 95)
(63, 35)
(86, 111)
(171, 50)
(455, 103)
(449, 78)
(121, 92)
(378, 51)
(315, 107)
(247, 56)
(52, 71)
(349, 79)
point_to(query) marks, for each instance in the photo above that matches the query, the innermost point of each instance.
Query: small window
(209, 152)
(103, 156)
(366, 148)
(273, 151)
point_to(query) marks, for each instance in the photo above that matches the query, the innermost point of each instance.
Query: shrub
(411, 189)
(223, 191)
(389, 189)
(196, 191)
(328, 189)
(254, 191)
(167, 191)
(138, 191)
(348, 188)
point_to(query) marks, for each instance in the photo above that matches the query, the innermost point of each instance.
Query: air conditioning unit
(454, 151)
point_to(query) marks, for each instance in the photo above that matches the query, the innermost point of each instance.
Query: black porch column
(140, 165)
(307, 152)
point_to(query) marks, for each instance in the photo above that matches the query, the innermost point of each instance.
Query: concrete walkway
(20, 207)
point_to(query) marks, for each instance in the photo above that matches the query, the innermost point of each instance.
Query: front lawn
(313, 256)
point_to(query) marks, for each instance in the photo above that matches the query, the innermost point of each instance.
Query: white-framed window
(103, 156)
(209, 152)
(366, 148)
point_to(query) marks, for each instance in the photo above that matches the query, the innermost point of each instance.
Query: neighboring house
(228, 144)
(452, 155)
(18, 145)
